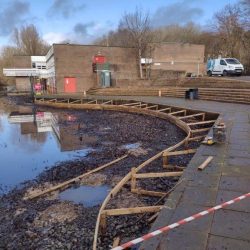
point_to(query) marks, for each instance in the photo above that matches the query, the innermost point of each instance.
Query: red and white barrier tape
(179, 223)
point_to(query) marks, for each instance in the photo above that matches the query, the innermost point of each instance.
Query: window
(33, 65)
(222, 62)
(232, 61)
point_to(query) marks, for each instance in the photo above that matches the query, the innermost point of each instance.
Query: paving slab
(226, 177)
(231, 224)
(218, 243)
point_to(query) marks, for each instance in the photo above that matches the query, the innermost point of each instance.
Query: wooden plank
(75, 101)
(196, 138)
(190, 116)
(157, 175)
(205, 163)
(153, 217)
(130, 104)
(182, 152)
(150, 107)
(107, 102)
(178, 112)
(165, 109)
(200, 130)
(201, 123)
(93, 101)
(66, 183)
(52, 100)
(131, 210)
(147, 192)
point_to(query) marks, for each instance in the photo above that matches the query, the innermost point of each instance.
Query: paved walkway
(227, 177)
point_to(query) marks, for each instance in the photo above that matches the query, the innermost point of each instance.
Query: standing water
(31, 142)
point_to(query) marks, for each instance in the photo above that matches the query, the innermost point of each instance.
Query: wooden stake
(103, 223)
(66, 183)
(205, 163)
(116, 242)
(133, 179)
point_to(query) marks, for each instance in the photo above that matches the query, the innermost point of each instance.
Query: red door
(69, 84)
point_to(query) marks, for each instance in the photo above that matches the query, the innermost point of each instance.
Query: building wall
(22, 62)
(76, 61)
(178, 57)
(23, 83)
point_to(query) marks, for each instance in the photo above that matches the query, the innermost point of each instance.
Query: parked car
(224, 66)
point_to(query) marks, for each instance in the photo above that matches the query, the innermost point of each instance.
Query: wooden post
(133, 179)
(103, 223)
(165, 161)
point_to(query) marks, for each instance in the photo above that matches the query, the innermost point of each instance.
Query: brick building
(75, 68)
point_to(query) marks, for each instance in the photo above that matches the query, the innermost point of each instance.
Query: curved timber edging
(130, 108)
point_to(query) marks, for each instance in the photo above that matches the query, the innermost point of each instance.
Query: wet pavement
(227, 177)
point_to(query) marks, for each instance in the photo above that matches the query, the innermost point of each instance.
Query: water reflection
(31, 140)
(89, 196)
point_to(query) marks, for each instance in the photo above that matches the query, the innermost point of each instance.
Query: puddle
(132, 145)
(88, 196)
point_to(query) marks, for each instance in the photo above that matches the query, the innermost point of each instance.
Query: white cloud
(53, 37)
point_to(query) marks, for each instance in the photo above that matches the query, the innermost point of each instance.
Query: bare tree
(29, 42)
(137, 25)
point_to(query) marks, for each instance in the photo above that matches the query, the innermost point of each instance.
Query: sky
(81, 21)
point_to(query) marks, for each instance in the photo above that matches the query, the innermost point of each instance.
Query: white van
(224, 66)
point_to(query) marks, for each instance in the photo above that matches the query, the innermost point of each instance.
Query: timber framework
(194, 123)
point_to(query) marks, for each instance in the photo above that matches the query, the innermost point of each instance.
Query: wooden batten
(75, 101)
(196, 138)
(157, 175)
(130, 104)
(201, 123)
(73, 180)
(200, 130)
(93, 101)
(108, 102)
(131, 210)
(194, 115)
(150, 107)
(179, 112)
(165, 109)
(182, 152)
(147, 192)
(205, 163)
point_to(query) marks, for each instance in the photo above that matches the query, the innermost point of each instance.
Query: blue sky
(83, 21)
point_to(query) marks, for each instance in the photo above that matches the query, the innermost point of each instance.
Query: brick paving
(227, 177)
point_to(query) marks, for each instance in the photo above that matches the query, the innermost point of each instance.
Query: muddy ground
(49, 223)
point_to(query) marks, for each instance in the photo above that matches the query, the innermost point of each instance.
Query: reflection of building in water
(40, 122)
